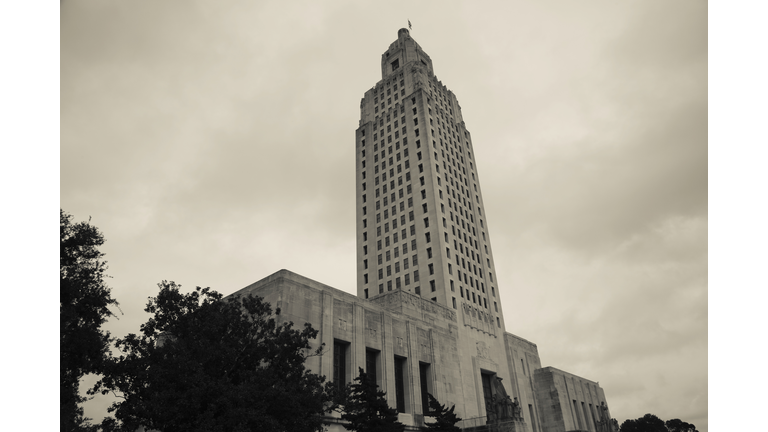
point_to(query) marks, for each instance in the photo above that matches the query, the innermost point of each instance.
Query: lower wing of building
(414, 346)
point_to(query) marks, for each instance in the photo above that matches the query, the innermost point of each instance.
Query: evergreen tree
(84, 305)
(445, 418)
(366, 409)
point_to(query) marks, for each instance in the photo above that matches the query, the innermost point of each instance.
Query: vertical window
(371, 361)
(339, 364)
(400, 383)
(425, 381)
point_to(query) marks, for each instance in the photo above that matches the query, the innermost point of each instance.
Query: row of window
(456, 174)
(373, 370)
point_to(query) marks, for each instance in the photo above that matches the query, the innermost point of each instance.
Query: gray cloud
(212, 143)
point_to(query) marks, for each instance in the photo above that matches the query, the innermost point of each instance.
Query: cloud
(212, 144)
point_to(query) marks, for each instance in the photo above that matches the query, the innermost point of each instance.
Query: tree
(203, 363)
(84, 302)
(445, 418)
(366, 409)
(677, 425)
(646, 423)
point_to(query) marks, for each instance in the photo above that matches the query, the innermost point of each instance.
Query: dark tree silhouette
(84, 302)
(677, 425)
(445, 418)
(203, 363)
(366, 409)
(646, 423)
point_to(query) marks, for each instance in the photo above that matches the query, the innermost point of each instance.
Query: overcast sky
(213, 144)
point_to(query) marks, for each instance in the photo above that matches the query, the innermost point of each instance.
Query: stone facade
(414, 345)
(427, 317)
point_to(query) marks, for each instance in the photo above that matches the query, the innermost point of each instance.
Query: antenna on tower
(409, 25)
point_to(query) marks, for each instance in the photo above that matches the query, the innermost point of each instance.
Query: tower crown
(402, 51)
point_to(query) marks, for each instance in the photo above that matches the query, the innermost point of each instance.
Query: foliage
(651, 423)
(366, 409)
(646, 423)
(445, 418)
(677, 425)
(84, 301)
(203, 363)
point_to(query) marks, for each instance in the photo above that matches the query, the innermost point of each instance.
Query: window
(400, 368)
(432, 285)
(426, 222)
(371, 364)
(340, 364)
(415, 274)
(425, 379)
(395, 65)
(427, 236)
(431, 269)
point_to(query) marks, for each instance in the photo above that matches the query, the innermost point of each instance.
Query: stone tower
(421, 225)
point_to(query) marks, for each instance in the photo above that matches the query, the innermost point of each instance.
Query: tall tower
(421, 223)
